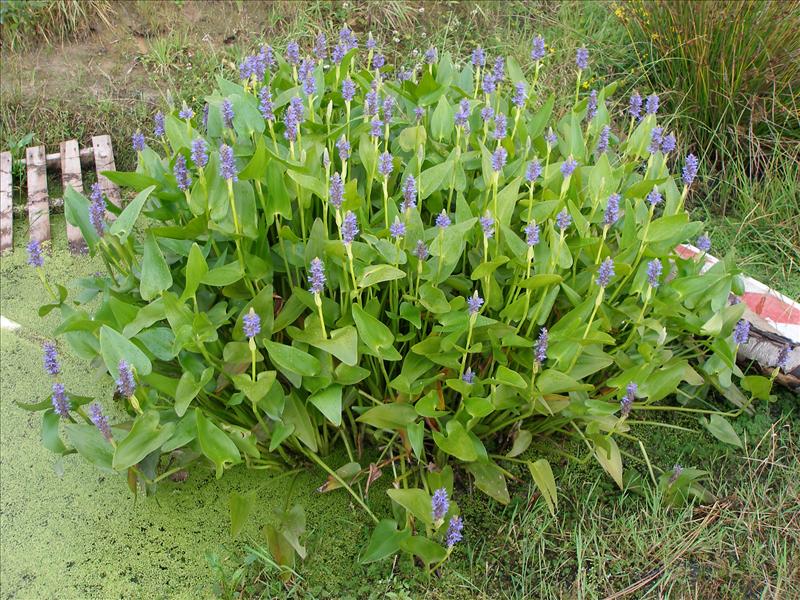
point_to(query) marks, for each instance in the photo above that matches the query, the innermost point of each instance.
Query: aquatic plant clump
(434, 265)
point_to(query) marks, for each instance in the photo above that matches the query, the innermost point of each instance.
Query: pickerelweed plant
(429, 265)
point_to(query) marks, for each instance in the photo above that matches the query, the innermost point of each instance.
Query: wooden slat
(6, 214)
(104, 161)
(38, 205)
(71, 176)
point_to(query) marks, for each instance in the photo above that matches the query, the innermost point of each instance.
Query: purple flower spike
(51, 365)
(186, 113)
(397, 229)
(611, 215)
(326, 159)
(321, 47)
(489, 84)
(591, 105)
(226, 109)
(97, 210)
(347, 38)
(627, 401)
(468, 376)
(385, 164)
(531, 234)
(35, 258)
(99, 420)
(741, 332)
(703, 243)
(421, 251)
(227, 165)
(654, 270)
(487, 113)
(376, 128)
(499, 69)
(533, 171)
(138, 141)
(265, 106)
(308, 80)
(338, 53)
(60, 400)
(462, 115)
(602, 139)
(541, 346)
(500, 127)
(563, 219)
(520, 96)
(454, 534)
(478, 57)
(431, 55)
(551, 138)
(378, 61)
(419, 112)
(443, 220)
(474, 303)
(538, 51)
(388, 108)
(656, 137)
(569, 166)
(654, 197)
(247, 68)
(126, 384)
(651, 106)
(582, 58)
(343, 146)
(371, 44)
(635, 106)
(690, 169)
(677, 471)
(199, 153)
(669, 143)
(348, 90)
(409, 193)
(336, 190)
(316, 276)
(499, 159)
(487, 224)
(293, 53)
(605, 273)
(181, 173)
(158, 130)
(349, 228)
(439, 504)
(251, 324)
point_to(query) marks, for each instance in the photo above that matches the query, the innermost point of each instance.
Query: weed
(28, 21)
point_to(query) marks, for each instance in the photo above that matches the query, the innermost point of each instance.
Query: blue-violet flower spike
(439, 504)
(605, 272)
(60, 400)
(51, 365)
(316, 276)
(126, 384)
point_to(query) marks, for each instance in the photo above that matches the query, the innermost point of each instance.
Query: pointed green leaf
(543, 478)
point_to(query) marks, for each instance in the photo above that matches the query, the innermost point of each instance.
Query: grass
(602, 542)
(758, 218)
(25, 22)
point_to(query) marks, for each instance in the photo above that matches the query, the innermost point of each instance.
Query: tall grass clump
(733, 68)
(26, 21)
